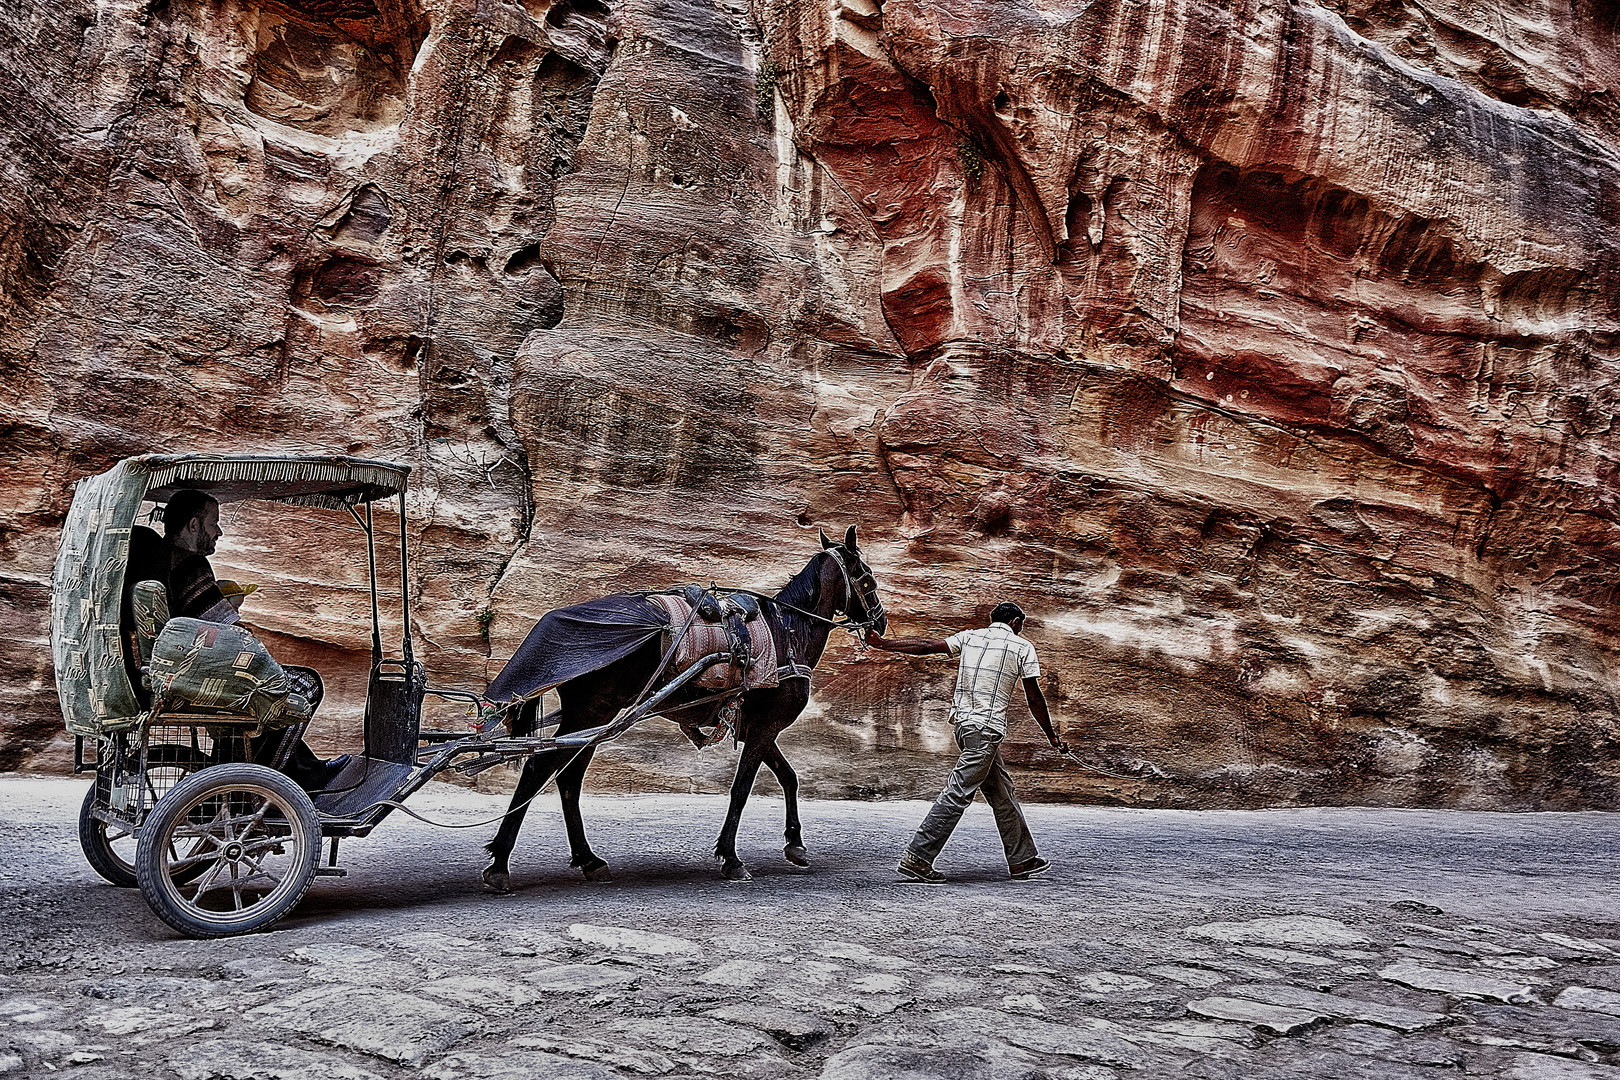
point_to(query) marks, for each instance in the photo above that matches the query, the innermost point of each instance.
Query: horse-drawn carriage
(189, 800)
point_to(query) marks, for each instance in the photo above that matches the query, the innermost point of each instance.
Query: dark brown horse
(802, 616)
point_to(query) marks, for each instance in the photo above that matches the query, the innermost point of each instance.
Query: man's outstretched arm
(1037, 709)
(916, 646)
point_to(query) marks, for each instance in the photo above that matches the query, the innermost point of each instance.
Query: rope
(499, 817)
(1094, 768)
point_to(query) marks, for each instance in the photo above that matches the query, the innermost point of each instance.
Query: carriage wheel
(110, 848)
(256, 837)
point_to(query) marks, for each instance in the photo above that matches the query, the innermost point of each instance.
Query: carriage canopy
(87, 587)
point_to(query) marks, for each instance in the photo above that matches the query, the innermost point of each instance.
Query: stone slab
(1547, 1067)
(1199, 978)
(530, 1065)
(1282, 930)
(1457, 982)
(574, 978)
(1589, 999)
(624, 939)
(257, 1060)
(1277, 1019)
(1096, 1040)
(1340, 1006)
(405, 1028)
(646, 1062)
(793, 1029)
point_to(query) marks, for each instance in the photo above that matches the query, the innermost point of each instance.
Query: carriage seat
(215, 669)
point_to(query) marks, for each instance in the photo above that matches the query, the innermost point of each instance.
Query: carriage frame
(224, 844)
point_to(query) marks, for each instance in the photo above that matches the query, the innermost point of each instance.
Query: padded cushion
(149, 603)
(214, 669)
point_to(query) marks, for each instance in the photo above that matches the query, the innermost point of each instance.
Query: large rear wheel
(109, 847)
(256, 837)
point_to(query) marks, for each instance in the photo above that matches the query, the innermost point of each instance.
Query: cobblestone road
(1340, 943)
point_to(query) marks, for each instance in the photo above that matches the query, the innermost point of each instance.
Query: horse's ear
(825, 543)
(849, 539)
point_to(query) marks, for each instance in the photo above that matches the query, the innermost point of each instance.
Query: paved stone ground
(1312, 943)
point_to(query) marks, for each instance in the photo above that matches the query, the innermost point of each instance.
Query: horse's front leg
(725, 849)
(569, 784)
(778, 764)
(535, 772)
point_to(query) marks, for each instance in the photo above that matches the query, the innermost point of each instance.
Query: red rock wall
(1265, 353)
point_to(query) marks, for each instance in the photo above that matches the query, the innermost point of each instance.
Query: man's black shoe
(329, 772)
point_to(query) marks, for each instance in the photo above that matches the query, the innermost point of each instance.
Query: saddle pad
(703, 638)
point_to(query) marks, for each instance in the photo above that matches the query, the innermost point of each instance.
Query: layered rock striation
(1264, 352)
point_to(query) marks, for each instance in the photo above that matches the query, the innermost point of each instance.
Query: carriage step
(331, 871)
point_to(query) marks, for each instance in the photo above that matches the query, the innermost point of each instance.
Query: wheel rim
(118, 845)
(250, 856)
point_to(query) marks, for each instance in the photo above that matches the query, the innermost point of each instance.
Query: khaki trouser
(979, 768)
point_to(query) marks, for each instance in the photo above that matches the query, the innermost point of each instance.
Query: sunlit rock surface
(1265, 353)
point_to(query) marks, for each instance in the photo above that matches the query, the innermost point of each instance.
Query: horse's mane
(805, 588)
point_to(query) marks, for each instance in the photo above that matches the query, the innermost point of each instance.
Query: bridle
(861, 586)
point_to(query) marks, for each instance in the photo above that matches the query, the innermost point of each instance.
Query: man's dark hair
(1006, 612)
(183, 507)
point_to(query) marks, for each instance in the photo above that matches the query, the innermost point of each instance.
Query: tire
(98, 838)
(109, 849)
(254, 833)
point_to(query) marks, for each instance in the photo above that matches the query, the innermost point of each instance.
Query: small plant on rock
(971, 156)
(765, 88)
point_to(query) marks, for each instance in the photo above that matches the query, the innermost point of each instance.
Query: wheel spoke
(193, 859)
(206, 882)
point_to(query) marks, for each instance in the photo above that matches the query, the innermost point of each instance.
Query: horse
(836, 581)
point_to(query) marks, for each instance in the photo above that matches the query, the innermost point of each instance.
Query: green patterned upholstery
(151, 609)
(204, 668)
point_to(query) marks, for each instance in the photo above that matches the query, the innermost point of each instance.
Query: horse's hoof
(738, 872)
(795, 854)
(498, 880)
(596, 871)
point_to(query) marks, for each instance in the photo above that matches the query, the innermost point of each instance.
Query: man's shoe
(914, 869)
(1033, 868)
(330, 771)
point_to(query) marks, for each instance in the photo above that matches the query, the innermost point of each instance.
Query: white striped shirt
(993, 661)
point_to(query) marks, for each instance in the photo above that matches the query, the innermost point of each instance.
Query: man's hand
(1037, 709)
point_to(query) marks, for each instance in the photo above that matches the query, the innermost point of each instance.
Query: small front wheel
(254, 833)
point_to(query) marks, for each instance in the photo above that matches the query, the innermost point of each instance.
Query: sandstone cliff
(1264, 351)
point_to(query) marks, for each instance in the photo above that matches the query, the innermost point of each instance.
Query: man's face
(202, 533)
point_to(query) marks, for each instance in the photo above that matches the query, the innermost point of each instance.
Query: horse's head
(861, 603)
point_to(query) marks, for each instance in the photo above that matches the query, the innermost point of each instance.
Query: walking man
(993, 661)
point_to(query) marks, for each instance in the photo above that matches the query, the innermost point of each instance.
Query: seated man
(190, 534)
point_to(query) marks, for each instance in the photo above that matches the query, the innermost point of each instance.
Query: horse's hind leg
(536, 770)
(778, 764)
(569, 783)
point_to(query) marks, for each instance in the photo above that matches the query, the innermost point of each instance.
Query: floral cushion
(217, 669)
